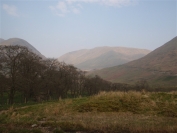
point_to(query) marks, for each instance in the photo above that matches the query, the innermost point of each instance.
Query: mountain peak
(21, 42)
(101, 57)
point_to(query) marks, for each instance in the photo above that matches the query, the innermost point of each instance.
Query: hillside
(159, 66)
(21, 42)
(1, 40)
(101, 57)
(107, 112)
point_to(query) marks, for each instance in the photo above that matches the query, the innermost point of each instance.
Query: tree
(142, 84)
(10, 62)
(20, 67)
(30, 71)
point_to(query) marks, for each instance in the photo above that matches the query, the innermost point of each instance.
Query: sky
(56, 27)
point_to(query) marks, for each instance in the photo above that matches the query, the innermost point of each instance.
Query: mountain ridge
(21, 42)
(89, 59)
(157, 67)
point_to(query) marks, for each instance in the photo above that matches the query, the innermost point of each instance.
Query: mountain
(158, 67)
(1, 40)
(101, 57)
(21, 42)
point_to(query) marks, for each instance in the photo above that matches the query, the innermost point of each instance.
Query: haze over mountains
(102, 57)
(1, 40)
(159, 66)
(20, 42)
(120, 64)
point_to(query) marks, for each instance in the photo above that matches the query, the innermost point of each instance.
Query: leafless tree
(10, 57)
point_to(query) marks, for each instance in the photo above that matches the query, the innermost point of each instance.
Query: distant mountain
(1, 40)
(21, 42)
(101, 57)
(159, 66)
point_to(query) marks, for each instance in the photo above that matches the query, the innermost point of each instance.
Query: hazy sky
(56, 27)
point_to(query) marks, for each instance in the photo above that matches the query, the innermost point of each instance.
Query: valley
(88, 66)
(43, 95)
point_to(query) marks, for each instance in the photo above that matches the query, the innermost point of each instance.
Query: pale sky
(56, 27)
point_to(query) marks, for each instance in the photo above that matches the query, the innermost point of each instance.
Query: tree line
(24, 73)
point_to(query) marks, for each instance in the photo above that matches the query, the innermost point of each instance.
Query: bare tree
(30, 71)
(10, 57)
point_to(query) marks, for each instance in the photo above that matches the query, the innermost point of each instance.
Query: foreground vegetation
(107, 112)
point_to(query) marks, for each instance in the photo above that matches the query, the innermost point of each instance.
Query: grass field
(107, 112)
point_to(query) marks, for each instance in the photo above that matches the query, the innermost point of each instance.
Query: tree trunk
(11, 96)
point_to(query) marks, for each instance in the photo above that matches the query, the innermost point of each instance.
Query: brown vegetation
(112, 112)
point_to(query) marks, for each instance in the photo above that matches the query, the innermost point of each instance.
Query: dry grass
(112, 112)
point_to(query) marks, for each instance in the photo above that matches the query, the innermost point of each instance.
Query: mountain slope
(163, 58)
(21, 42)
(1, 40)
(159, 66)
(101, 57)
